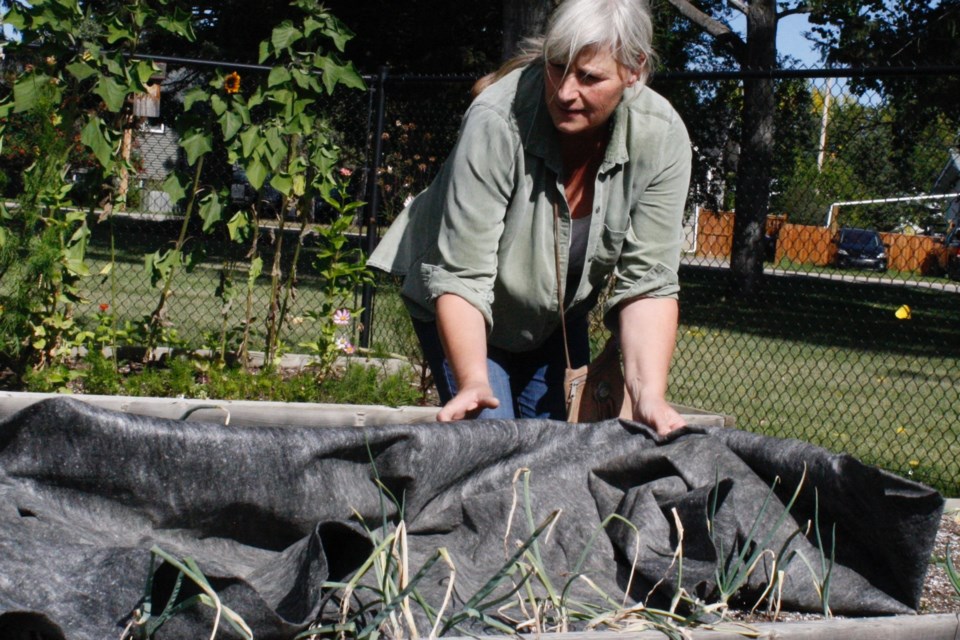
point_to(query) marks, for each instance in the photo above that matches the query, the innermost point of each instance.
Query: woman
(564, 139)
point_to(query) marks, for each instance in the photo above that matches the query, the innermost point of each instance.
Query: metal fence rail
(860, 361)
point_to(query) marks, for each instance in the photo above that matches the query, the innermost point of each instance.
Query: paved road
(852, 276)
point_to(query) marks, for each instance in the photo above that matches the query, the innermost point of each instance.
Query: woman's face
(582, 96)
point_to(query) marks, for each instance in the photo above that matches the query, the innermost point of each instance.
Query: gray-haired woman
(566, 128)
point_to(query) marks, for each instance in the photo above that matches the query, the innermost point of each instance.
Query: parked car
(949, 256)
(861, 249)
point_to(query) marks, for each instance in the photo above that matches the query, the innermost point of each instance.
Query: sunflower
(231, 84)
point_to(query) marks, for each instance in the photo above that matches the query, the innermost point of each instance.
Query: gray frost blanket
(270, 513)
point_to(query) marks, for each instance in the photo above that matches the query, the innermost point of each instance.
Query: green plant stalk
(254, 255)
(225, 310)
(156, 318)
(292, 276)
(952, 573)
(274, 317)
(742, 565)
(474, 607)
(146, 625)
(113, 294)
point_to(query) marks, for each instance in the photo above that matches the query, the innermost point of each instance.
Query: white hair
(624, 27)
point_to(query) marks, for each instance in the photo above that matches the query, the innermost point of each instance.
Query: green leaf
(218, 104)
(310, 25)
(28, 91)
(284, 36)
(278, 75)
(93, 137)
(193, 96)
(256, 173)
(115, 33)
(195, 144)
(339, 34)
(15, 17)
(180, 23)
(264, 52)
(80, 70)
(250, 139)
(299, 184)
(115, 68)
(256, 268)
(211, 211)
(145, 70)
(174, 188)
(275, 141)
(345, 74)
(237, 226)
(160, 264)
(231, 123)
(283, 97)
(301, 79)
(113, 93)
(282, 183)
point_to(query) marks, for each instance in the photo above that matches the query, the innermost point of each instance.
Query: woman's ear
(633, 75)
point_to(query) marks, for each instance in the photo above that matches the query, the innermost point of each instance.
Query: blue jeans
(528, 384)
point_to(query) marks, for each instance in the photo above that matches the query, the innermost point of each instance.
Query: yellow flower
(901, 430)
(914, 463)
(903, 313)
(231, 84)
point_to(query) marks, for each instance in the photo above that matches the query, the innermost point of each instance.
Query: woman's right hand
(468, 402)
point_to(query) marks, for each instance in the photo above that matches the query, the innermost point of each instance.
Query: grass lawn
(822, 360)
(828, 362)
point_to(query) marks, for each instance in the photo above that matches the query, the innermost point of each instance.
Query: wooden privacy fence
(805, 244)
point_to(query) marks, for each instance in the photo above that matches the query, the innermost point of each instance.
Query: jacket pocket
(609, 246)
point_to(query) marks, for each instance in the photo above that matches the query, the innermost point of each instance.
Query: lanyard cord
(556, 255)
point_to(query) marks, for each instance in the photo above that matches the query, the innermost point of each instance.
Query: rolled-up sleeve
(650, 259)
(474, 200)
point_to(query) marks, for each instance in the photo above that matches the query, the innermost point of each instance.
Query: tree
(521, 19)
(907, 34)
(756, 52)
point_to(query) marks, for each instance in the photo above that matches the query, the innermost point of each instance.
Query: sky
(790, 40)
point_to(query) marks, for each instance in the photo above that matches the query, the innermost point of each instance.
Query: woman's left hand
(657, 413)
(648, 331)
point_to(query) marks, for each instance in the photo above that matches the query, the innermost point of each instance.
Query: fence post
(373, 206)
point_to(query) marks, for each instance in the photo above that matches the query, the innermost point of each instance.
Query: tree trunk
(521, 19)
(756, 157)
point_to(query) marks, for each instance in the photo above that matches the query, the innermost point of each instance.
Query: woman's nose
(568, 89)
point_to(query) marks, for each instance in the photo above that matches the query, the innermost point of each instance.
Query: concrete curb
(944, 626)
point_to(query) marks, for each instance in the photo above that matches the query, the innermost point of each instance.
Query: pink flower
(346, 172)
(103, 307)
(345, 345)
(341, 317)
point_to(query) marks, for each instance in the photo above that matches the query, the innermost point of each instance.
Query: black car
(949, 257)
(861, 249)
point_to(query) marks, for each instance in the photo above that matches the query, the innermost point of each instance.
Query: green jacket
(484, 229)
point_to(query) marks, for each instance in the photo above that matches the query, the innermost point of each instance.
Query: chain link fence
(850, 340)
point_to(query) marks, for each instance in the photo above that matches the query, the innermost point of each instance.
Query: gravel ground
(939, 595)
